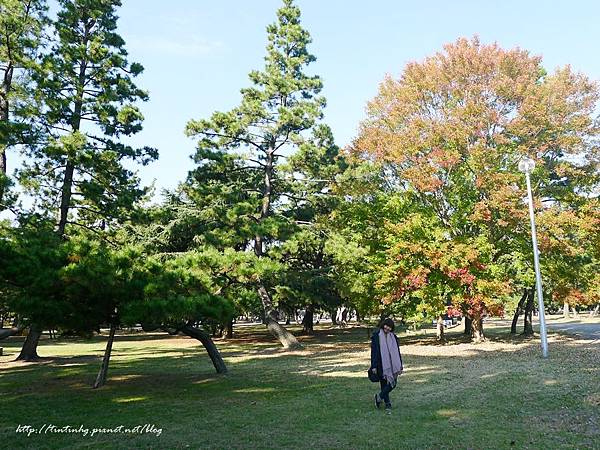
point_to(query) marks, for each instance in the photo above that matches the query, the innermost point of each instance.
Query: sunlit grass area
(499, 394)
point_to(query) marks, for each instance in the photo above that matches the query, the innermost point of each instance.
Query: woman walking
(386, 361)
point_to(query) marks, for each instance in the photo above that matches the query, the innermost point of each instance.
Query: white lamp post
(526, 165)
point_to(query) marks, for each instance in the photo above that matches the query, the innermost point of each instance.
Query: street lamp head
(526, 165)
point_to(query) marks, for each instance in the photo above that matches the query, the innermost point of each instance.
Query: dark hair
(389, 322)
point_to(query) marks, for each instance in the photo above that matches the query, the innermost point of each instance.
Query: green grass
(499, 394)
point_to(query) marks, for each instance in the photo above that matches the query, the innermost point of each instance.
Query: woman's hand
(374, 369)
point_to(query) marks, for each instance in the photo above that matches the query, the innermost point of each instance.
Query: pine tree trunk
(4, 111)
(209, 345)
(527, 324)
(3, 170)
(65, 201)
(101, 378)
(477, 330)
(468, 326)
(29, 349)
(307, 321)
(66, 193)
(229, 334)
(518, 311)
(287, 339)
(3, 167)
(439, 332)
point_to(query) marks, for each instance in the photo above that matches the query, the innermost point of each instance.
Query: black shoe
(388, 409)
(377, 401)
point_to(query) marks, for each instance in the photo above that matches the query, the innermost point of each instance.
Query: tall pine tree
(277, 114)
(86, 86)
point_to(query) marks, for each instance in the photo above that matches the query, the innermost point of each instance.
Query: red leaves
(452, 311)
(417, 279)
(462, 275)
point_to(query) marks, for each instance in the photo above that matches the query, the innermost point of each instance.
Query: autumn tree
(452, 129)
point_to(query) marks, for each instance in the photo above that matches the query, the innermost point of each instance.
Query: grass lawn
(498, 395)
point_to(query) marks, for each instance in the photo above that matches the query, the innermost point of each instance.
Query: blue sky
(197, 54)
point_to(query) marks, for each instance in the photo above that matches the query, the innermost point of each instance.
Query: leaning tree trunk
(439, 332)
(29, 349)
(287, 339)
(209, 345)
(101, 378)
(519, 310)
(307, 321)
(595, 311)
(528, 319)
(477, 330)
(468, 326)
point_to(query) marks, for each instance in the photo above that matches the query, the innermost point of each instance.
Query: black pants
(386, 388)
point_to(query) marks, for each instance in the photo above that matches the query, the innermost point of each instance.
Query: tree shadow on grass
(68, 340)
(310, 392)
(325, 354)
(456, 338)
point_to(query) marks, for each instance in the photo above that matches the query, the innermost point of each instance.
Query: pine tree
(85, 84)
(277, 114)
(21, 22)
